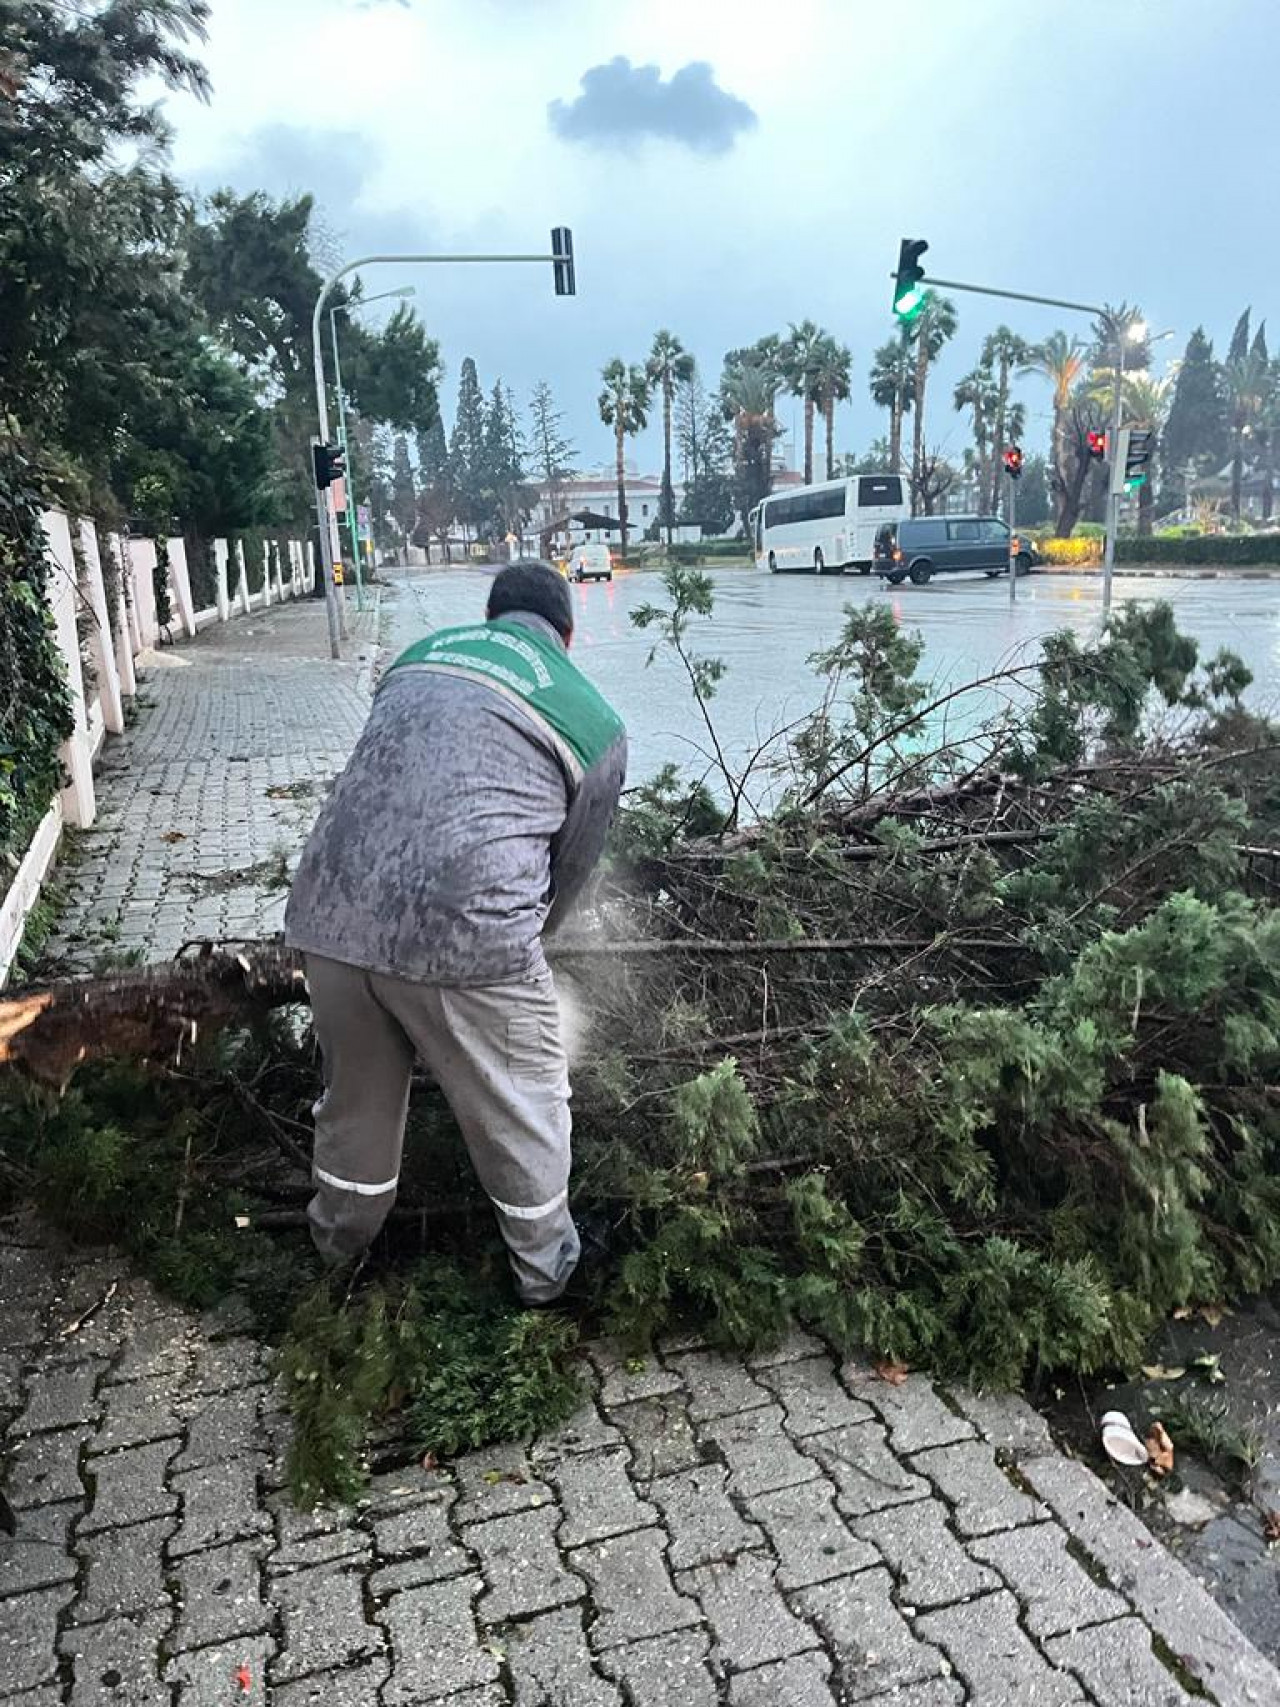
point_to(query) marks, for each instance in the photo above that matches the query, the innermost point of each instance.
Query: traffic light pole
(558, 260)
(1113, 497)
(1011, 504)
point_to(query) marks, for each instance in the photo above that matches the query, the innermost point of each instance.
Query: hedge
(1214, 550)
(1070, 551)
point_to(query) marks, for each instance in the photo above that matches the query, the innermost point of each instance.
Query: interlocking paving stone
(1118, 1666)
(220, 1595)
(750, 1621)
(866, 1474)
(984, 1498)
(42, 1557)
(129, 1486)
(220, 1427)
(138, 1413)
(915, 1415)
(700, 1518)
(668, 1671)
(631, 1589)
(124, 1572)
(938, 1692)
(61, 1398)
(758, 1451)
(521, 1564)
(154, 1347)
(931, 1566)
(497, 1481)
(799, 1682)
(812, 1396)
(28, 1630)
(1163, 1591)
(46, 1469)
(397, 1490)
(219, 1504)
(211, 1677)
(435, 1649)
(793, 1347)
(354, 1686)
(324, 1622)
(50, 1697)
(1006, 1420)
(422, 1532)
(995, 1661)
(623, 1379)
(660, 1435)
(1055, 1591)
(812, 1541)
(117, 1664)
(550, 1662)
(718, 1386)
(585, 1431)
(873, 1644)
(597, 1499)
(222, 1365)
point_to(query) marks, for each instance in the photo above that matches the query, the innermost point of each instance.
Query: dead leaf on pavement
(1158, 1372)
(1213, 1313)
(1160, 1449)
(173, 836)
(1271, 1526)
(894, 1373)
(430, 1462)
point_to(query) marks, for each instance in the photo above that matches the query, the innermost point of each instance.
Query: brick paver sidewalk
(784, 1531)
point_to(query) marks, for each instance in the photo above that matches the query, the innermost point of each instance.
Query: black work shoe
(583, 1289)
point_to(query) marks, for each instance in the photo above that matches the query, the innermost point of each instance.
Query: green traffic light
(909, 304)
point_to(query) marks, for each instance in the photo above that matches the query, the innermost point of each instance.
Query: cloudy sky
(729, 166)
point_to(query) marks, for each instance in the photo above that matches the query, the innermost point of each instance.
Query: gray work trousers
(497, 1054)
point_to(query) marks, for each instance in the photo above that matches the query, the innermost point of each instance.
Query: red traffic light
(1013, 462)
(1097, 443)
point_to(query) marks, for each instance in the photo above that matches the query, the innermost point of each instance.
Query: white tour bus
(826, 528)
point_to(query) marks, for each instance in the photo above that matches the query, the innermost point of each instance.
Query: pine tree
(551, 453)
(705, 445)
(466, 449)
(503, 465)
(404, 489)
(1196, 431)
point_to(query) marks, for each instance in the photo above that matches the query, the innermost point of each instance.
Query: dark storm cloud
(622, 104)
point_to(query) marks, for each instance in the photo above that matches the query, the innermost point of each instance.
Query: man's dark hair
(532, 586)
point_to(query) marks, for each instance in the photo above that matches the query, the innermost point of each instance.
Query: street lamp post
(561, 258)
(346, 308)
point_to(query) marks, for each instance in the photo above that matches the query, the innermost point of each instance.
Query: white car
(591, 562)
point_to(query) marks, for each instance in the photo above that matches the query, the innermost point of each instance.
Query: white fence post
(220, 571)
(78, 803)
(242, 580)
(121, 618)
(103, 643)
(180, 584)
(266, 575)
(142, 555)
(278, 556)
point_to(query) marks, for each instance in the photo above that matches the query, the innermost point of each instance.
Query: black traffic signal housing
(1097, 443)
(1013, 462)
(1137, 457)
(562, 261)
(329, 463)
(909, 294)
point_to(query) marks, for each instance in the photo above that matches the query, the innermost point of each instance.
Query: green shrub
(1215, 550)
(1070, 551)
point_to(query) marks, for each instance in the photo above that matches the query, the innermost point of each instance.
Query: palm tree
(801, 354)
(933, 326)
(978, 393)
(831, 384)
(1059, 359)
(748, 391)
(890, 386)
(624, 406)
(1003, 351)
(669, 365)
(1145, 403)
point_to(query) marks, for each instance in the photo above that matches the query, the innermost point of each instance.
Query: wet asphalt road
(765, 628)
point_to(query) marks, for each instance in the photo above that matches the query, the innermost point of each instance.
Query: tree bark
(620, 437)
(828, 422)
(668, 494)
(808, 441)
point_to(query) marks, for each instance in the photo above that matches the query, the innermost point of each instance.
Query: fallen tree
(950, 1034)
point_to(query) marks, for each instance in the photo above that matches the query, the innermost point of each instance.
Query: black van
(924, 546)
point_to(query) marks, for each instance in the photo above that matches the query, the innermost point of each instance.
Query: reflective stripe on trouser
(496, 1053)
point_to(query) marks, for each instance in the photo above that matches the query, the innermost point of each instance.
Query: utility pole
(1012, 459)
(562, 261)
